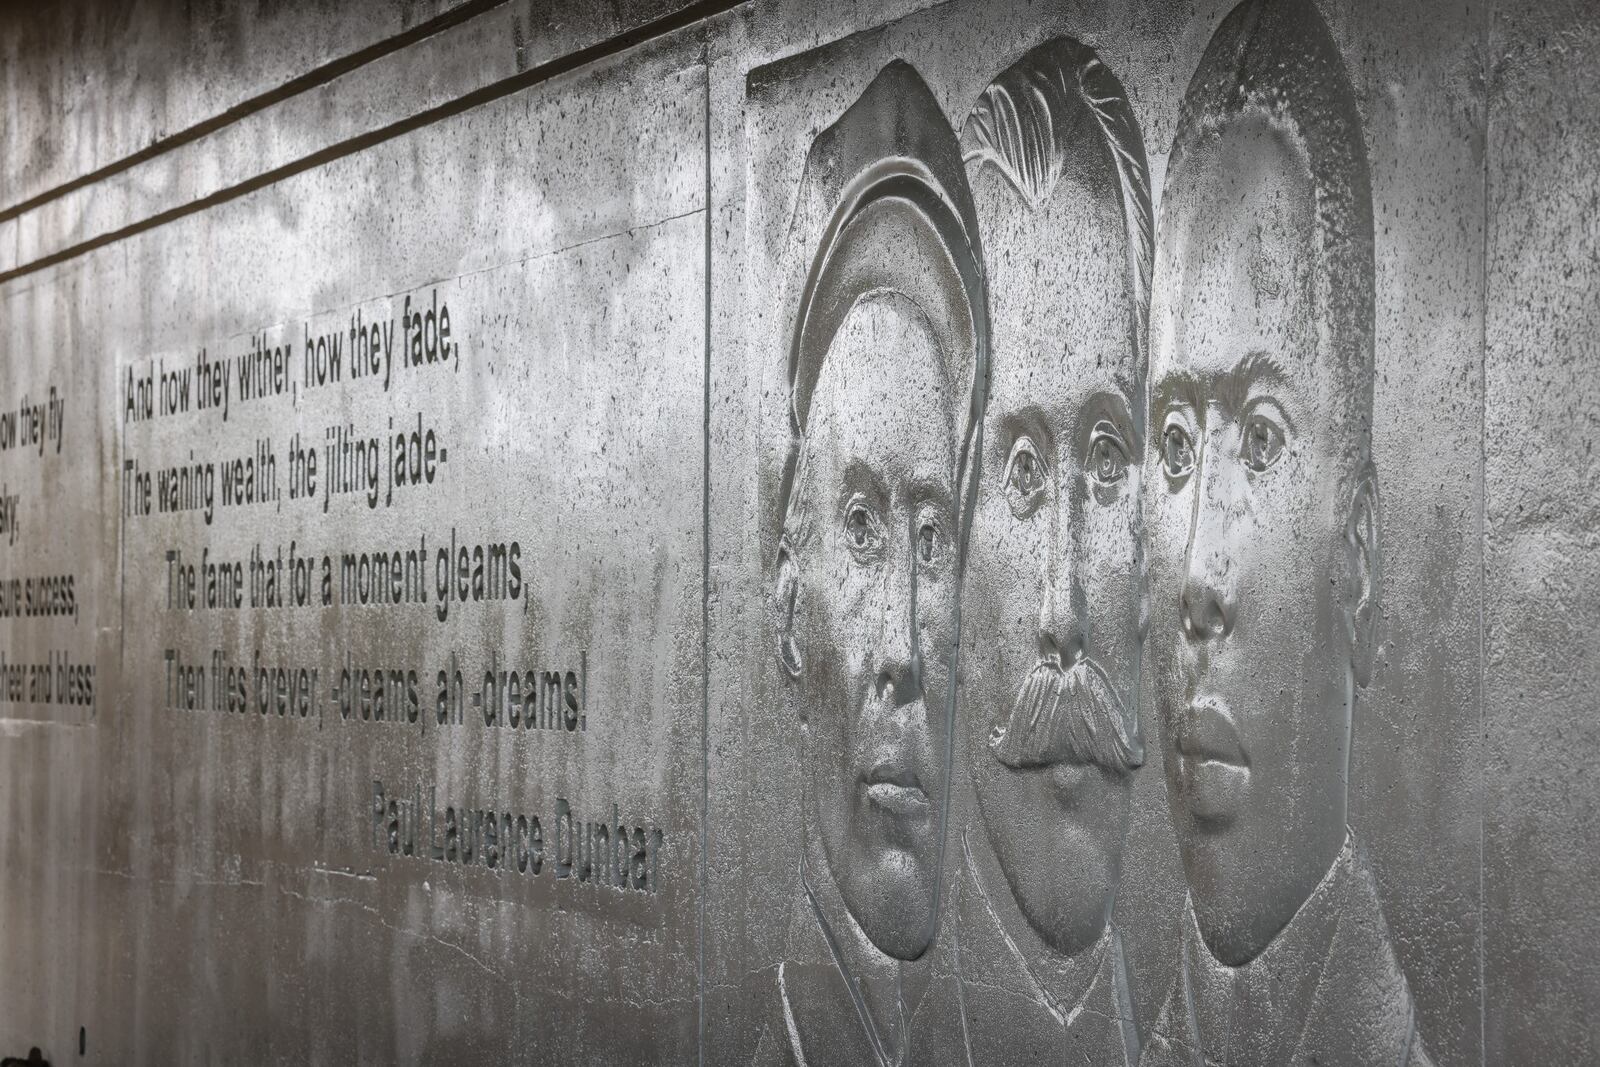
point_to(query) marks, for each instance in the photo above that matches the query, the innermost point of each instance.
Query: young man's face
(1053, 583)
(1250, 478)
(876, 616)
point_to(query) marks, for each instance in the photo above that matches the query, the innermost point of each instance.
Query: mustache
(1070, 715)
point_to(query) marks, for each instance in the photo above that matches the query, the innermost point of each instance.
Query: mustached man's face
(1251, 471)
(1053, 585)
(876, 616)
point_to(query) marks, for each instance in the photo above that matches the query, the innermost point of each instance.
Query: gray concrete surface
(696, 261)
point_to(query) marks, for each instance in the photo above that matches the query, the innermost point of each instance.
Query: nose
(899, 679)
(1063, 607)
(1207, 600)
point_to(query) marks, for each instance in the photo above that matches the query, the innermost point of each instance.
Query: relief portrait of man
(1053, 598)
(1262, 510)
(886, 368)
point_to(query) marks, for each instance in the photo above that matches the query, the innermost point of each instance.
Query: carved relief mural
(1175, 540)
(924, 532)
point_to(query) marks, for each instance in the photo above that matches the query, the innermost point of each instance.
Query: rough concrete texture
(1541, 795)
(988, 531)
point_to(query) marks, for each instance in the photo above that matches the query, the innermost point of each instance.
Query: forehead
(1060, 305)
(883, 388)
(1239, 243)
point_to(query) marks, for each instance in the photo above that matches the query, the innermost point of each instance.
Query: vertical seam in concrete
(705, 583)
(122, 534)
(1483, 536)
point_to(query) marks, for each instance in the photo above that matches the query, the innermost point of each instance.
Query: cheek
(992, 551)
(936, 604)
(1291, 557)
(1166, 527)
(1111, 563)
(838, 633)
(849, 596)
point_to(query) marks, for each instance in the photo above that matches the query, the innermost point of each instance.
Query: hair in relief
(1278, 60)
(1026, 123)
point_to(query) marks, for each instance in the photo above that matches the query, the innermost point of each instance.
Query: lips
(1208, 733)
(1213, 769)
(896, 790)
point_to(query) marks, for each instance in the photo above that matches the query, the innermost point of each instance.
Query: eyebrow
(1233, 387)
(858, 476)
(1028, 419)
(930, 490)
(1108, 405)
(1178, 387)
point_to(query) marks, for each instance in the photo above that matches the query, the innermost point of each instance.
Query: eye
(862, 531)
(1263, 443)
(1108, 459)
(1026, 477)
(928, 541)
(1177, 451)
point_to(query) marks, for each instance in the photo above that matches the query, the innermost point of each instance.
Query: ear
(785, 596)
(1363, 536)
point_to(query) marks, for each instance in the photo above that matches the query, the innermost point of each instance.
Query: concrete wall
(616, 207)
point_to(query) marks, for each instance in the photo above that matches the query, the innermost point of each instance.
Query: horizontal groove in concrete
(222, 165)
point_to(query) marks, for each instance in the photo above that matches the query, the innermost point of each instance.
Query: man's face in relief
(1053, 588)
(875, 614)
(1258, 529)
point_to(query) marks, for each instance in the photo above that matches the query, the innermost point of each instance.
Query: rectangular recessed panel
(405, 454)
(1083, 612)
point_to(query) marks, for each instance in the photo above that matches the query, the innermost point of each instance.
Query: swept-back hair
(1030, 121)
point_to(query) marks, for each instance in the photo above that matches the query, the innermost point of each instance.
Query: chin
(1210, 860)
(1229, 896)
(1075, 927)
(1081, 918)
(897, 905)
